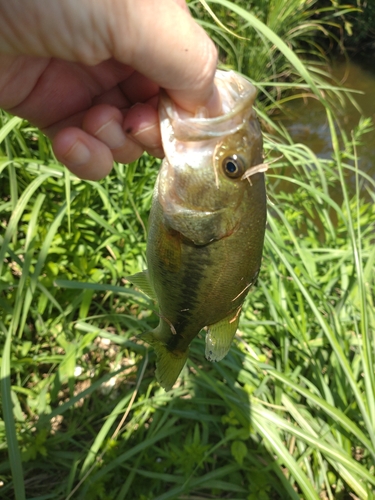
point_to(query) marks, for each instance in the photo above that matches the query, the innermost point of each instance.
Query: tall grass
(289, 413)
(265, 40)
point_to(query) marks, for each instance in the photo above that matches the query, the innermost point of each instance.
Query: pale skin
(88, 74)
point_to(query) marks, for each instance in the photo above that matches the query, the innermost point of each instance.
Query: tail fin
(168, 364)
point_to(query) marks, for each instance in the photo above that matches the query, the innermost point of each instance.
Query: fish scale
(206, 226)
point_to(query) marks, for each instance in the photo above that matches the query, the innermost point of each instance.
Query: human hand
(88, 74)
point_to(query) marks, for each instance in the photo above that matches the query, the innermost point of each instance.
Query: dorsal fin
(142, 281)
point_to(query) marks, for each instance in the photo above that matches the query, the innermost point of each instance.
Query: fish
(206, 225)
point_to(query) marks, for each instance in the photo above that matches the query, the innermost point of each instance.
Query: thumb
(163, 42)
(158, 38)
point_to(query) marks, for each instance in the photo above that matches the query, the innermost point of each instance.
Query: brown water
(307, 123)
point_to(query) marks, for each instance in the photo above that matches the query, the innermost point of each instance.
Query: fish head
(201, 183)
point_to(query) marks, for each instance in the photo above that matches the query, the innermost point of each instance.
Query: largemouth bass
(206, 226)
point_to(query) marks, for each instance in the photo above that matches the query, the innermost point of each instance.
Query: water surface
(307, 123)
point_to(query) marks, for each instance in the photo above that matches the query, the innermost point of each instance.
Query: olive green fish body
(198, 285)
(206, 227)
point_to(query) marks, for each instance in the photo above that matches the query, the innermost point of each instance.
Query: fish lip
(176, 126)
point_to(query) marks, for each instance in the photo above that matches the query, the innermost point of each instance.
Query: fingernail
(111, 134)
(145, 129)
(148, 136)
(78, 154)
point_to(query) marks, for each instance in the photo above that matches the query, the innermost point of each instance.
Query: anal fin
(220, 335)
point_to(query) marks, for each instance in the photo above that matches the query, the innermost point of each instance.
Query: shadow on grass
(197, 441)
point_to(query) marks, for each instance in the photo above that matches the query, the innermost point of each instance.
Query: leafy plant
(289, 413)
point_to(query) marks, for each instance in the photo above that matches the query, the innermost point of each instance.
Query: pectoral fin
(142, 281)
(220, 335)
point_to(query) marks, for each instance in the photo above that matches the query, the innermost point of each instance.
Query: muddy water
(307, 123)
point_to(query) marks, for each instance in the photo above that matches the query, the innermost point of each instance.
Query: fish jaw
(198, 226)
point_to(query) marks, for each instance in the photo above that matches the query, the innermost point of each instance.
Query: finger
(106, 124)
(141, 123)
(84, 155)
(183, 5)
(138, 88)
(114, 97)
(181, 58)
(106, 137)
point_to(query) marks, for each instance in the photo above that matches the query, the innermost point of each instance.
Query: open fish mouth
(237, 98)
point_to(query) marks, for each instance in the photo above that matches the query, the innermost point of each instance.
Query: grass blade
(10, 427)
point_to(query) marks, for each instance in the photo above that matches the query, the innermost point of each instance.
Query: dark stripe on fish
(189, 291)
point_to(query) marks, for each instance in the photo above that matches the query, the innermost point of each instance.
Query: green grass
(289, 413)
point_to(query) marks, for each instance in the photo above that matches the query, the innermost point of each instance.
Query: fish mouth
(237, 98)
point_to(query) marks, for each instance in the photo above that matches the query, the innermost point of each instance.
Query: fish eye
(233, 166)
